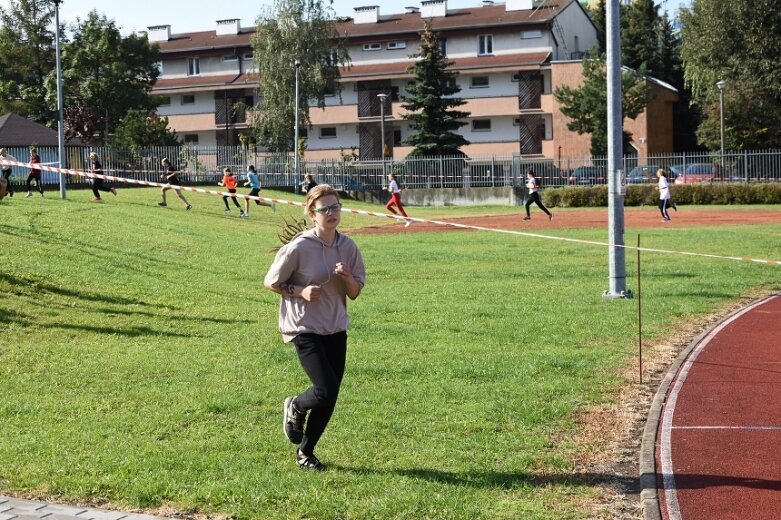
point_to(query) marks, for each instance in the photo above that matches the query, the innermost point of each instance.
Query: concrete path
(17, 509)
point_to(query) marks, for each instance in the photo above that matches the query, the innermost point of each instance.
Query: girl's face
(326, 212)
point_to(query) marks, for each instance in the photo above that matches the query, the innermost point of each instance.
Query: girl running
(229, 181)
(35, 174)
(98, 184)
(395, 200)
(253, 180)
(169, 174)
(534, 196)
(314, 273)
(664, 194)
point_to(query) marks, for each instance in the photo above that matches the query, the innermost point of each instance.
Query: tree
(587, 105)
(139, 128)
(640, 49)
(26, 58)
(104, 76)
(599, 17)
(738, 41)
(430, 104)
(290, 30)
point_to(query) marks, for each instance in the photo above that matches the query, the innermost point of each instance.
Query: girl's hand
(342, 271)
(311, 293)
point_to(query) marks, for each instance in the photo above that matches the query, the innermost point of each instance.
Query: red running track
(718, 450)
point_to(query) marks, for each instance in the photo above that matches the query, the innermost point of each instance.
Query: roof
(457, 19)
(16, 130)
(492, 63)
(469, 18)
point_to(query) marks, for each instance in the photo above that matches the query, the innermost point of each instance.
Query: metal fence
(203, 165)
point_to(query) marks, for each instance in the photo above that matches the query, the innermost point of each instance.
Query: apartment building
(509, 57)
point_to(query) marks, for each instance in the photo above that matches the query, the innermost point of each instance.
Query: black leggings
(225, 200)
(37, 179)
(97, 185)
(663, 205)
(323, 359)
(535, 197)
(7, 176)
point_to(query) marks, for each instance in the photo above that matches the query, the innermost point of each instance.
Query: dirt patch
(635, 218)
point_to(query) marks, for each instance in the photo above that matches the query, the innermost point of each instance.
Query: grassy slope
(140, 364)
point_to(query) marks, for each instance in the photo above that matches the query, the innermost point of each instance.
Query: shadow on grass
(504, 480)
(131, 332)
(68, 293)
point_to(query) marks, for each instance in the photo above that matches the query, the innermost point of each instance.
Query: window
(164, 101)
(443, 46)
(479, 82)
(529, 35)
(191, 138)
(516, 121)
(230, 57)
(396, 45)
(372, 46)
(247, 56)
(193, 66)
(303, 133)
(396, 137)
(188, 99)
(328, 132)
(485, 44)
(481, 125)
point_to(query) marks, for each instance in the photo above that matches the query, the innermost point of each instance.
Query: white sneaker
(408, 224)
(29, 194)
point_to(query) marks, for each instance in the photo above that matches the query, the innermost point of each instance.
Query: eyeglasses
(327, 210)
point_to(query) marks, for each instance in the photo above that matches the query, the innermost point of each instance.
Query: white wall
(204, 104)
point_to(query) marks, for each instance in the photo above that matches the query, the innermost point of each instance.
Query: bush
(646, 195)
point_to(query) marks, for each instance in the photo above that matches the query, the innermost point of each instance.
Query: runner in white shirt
(664, 194)
(534, 196)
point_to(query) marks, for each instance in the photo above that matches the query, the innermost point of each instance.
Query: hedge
(646, 194)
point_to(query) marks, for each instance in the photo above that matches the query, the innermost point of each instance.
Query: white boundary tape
(80, 173)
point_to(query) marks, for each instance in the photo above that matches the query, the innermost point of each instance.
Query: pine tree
(430, 104)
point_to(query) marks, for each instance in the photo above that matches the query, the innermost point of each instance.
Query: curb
(649, 489)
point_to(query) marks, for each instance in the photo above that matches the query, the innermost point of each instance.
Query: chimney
(159, 33)
(367, 14)
(519, 5)
(228, 27)
(412, 9)
(433, 8)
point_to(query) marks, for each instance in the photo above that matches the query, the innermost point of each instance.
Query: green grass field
(141, 367)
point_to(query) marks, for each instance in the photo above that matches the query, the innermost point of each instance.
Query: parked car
(702, 172)
(587, 175)
(642, 174)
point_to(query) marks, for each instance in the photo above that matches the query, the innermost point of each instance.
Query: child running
(169, 174)
(664, 194)
(35, 173)
(7, 170)
(97, 182)
(534, 196)
(229, 181)
(254, 180)
(395, 200)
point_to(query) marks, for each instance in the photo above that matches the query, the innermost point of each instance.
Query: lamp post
(382, 97)
(297, 158)
(60, 123)
(721, 85)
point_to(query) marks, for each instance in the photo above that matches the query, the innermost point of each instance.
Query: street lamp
(382, 97)
(297, 159)
(60, 123)
(721, 85)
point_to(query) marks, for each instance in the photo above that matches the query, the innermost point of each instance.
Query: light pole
(721, 85)
(297, 159)
(60, 123)
(382, 97)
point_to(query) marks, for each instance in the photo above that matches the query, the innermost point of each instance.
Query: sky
(201, 15)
